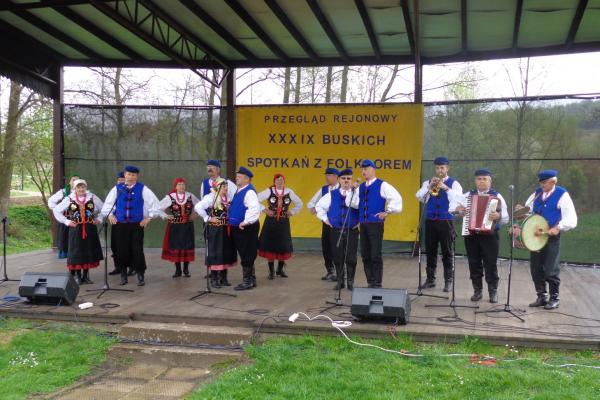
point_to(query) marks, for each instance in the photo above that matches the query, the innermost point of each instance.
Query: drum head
(529, 227)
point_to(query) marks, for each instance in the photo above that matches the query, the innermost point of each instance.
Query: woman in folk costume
(62, 238)
(178, 243)
(78, 211)
(275, 241)
(220, 251)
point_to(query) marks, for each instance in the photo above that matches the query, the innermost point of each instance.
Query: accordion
(477, 216)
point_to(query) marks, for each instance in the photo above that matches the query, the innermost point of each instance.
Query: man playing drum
(554, 203)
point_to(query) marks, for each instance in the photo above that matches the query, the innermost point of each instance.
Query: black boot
(123, 277)
(186, 269)
(140, 277)
(280, 272)
(85, 277)
(340, 284)
(224, 281)
(331, 275)
(78, 277)
(448, 286)
(477, 287)
(254, 277)
(271, 270)
(177, 273)
(540, 301)
(554, 301)
(247, 282)
(493, 292)
(350, 269)
(429, 283)
(215, 280)
(131, 271)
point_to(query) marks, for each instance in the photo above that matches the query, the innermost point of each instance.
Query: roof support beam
(410, 33)
(218, 28)
(576, 22)
(289, 25)
(364, 15)
(418, 98)
(90, 27)
(517, 26)
(463, 26)
(316, 9)
(42, 4)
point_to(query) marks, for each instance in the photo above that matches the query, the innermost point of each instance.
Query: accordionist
(485, 211)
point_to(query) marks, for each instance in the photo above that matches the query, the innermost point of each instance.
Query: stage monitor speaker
(381, 304)
(49, 287)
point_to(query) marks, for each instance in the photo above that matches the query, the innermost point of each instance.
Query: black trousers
(545, 267)
(326, 247)
(128, 246)
(246, 244)
(439, 232)
(371, 240)
(349, 239)
(482, 253)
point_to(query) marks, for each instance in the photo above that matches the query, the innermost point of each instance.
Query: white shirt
(231, 187)
(151, 203)
(60, 208)
(206, 203)
(264, 195)
(56, 198)
(313, 202)
(568, 215)
(392, 198)
(461, 200)
(323, 205)
(252, 205)
(165, 203)
(455, 190)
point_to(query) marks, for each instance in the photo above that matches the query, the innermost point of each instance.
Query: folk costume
(208, 183)
(62, 234)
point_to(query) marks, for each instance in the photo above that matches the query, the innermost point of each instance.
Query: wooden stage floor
(575, 325)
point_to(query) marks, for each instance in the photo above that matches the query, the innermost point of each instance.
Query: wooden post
(58, 159)
(418, 65)
(231, 131)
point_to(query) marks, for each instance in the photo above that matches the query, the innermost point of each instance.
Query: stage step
(185, 333)
(175, 356)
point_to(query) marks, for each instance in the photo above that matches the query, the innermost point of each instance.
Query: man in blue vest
(116, 271)
(482, 249)
(376, 200)
(554, 203)
(437, 192)
(331, 183)
(243, 218)
(213, 170)
(135, 206)
(342, 220)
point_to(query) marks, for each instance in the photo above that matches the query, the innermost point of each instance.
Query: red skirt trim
(274, 256)
(178, 255)
(75, 267)
(221, 267)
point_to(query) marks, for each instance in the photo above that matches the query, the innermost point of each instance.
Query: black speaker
(382, 304)
(49, 287)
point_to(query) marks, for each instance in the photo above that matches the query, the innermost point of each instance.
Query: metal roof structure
(41, 36)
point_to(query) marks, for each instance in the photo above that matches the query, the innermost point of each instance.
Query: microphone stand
(419, 291)
(208, 289)
(105, 287)
(340, 277)
(5, 278)
(507, 307)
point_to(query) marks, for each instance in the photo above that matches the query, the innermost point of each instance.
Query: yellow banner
(301, 141)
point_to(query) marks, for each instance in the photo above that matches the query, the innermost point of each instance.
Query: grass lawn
(332, 368)
(29, 229)
(35, 360)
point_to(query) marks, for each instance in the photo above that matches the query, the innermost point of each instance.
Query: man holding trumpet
(554, 203)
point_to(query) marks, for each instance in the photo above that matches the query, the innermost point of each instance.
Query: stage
(575, 325)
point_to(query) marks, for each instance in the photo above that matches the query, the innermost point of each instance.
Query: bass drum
(530, 237)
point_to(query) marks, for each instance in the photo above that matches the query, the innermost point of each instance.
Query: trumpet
(434, 187)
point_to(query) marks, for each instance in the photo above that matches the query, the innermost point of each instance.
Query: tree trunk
(389, 85)
(328, 84)
(9, 148)
(344, 88)
(297, 87)
(287, 85)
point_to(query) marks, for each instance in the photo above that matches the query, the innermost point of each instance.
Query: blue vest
(549, 208)
(130, 203)
(205, 187)
(437, 206)
(338, 210)
(370, 202)
(324, 190)
(237, 209)
(491, 192)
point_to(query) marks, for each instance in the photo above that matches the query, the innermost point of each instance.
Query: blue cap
(367, 163)
(547, 174)
(483, 172)
(332, 171)
(441, 161)
(132, 169)
(346, 172)
(215, 163)
(245, 171)
(120, 174)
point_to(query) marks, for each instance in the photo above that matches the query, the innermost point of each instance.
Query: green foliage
(29, 229)
(42, 360)
(332, 368)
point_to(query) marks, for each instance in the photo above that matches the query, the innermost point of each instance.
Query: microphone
(357, 183)
(511, 187)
